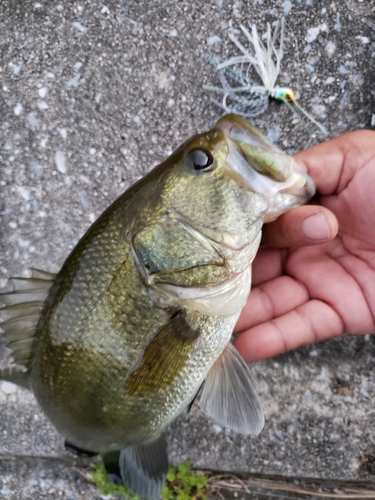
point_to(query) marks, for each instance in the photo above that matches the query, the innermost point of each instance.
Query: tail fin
(19, 317)
(143, 468)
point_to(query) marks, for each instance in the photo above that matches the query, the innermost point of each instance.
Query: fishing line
(265, 60)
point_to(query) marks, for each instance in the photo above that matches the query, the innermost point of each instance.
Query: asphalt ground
(93, 95)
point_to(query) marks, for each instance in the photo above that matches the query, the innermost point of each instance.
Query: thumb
(302, 226)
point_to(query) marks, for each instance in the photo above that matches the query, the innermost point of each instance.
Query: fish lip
(236, 127)
(236, 130)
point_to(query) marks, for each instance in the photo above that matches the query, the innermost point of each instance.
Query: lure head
(283, 94)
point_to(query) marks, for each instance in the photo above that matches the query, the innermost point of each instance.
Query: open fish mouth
(261, 165)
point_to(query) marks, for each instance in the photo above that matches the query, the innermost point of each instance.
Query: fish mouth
(261, 165)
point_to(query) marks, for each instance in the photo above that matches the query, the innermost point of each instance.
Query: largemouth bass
(118, 343)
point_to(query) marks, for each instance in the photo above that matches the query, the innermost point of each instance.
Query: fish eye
(200, 160)
(289, 96)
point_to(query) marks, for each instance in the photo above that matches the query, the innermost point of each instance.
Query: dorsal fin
(19, 315)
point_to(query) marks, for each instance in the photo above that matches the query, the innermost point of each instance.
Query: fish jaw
(264, 168)
(225, 299)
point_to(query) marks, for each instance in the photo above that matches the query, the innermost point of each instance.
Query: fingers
(333, 164)
(306, 225)
(311, 322)
(270, 300)
(268, 264)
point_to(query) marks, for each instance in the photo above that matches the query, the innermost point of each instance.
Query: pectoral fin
(229, 395)
(144, 468)
(160, 365)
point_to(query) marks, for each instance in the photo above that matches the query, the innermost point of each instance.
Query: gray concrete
(27, 478)
(94, 94)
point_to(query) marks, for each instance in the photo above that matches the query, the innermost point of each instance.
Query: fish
(119, 342)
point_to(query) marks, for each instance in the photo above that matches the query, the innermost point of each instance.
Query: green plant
(182, 484)
(107, 487)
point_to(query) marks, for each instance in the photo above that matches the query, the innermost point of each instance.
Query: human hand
(314, 278)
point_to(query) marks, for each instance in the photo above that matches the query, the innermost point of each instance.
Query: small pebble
(287, 5)
(43, 92)
(42, 105)
(343, 70)
(84, 201)
(337, 25)
(312, 34)
(280, 435)
(16, 68)
(5, 491)
(364, 39)
(84, 179)
(74, 82)
(25, 193)
(350, 400)
(364, 391)
(35, 166)
(273, 133)
(7, 388)
(330, 48)
(79, 27)
(18, 109)
(319, 110)
(329, 80)
(32, 120)
(60, 161)
(63, 132)
(212, 40)
(307, 397)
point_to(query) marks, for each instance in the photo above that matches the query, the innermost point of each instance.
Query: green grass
(182, 484)
(105, 486)
(185, 484)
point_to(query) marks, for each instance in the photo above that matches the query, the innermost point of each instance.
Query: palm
(309, 293)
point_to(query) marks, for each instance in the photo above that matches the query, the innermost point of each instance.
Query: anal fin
(19, 315)
(229, 394)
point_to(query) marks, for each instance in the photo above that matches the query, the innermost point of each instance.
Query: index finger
(333, 164)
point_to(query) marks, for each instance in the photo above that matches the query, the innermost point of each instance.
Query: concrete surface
(93, 95)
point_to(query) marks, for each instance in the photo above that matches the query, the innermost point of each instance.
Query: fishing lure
(250, 98)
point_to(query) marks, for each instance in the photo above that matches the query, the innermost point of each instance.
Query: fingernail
(316, 227)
